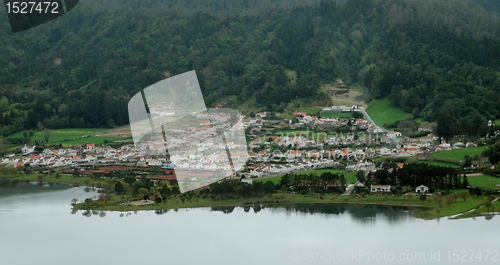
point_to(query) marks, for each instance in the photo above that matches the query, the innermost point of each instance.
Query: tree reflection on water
(363, 213)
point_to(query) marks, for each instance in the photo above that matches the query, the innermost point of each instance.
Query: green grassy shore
(421, 209)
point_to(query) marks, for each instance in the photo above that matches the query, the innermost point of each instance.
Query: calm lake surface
(38, 227)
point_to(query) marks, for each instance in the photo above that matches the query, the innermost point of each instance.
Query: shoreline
(422, 210)
(419, 211)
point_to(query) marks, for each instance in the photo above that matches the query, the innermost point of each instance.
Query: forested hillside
(436, 59)
(490, 5)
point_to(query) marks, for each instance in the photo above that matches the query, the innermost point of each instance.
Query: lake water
(39, 228)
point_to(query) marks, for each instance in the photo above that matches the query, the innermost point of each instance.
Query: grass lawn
(437, 163)
(480, 210)
(460, 153)
(382, 112)
(336, 114)
(453, 158)
(310, 111)
(349, 176)
(484, 181)
(61, 135)
(93, 139)
(429, 212)
(274, 180)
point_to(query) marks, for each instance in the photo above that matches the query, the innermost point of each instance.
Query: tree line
(437, 60)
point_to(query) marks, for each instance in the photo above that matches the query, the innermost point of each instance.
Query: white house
(422, 189)
(380, 188)
(246, 180)
(28, 149)
(393, 135)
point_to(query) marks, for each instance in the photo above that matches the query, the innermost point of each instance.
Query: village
(267, 151)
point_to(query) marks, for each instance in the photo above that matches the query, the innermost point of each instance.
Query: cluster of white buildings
(201, 146)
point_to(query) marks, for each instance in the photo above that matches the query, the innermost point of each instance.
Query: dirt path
(339, 97)
(474, 174)
(141, 202)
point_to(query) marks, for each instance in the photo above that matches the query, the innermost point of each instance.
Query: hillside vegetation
(437, 59)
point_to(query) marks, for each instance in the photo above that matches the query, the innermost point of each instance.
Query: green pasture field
(382, 112)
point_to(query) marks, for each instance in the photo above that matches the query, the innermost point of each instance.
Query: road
(349, 188)
(367, 117)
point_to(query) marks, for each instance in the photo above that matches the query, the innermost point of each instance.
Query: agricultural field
(438, 163)
(382, 112)
(93, 139)
(459, 154)
(453, 158)
(349, 176)
(336, 114)
(69, 137)
(484, 181)
(310, 111)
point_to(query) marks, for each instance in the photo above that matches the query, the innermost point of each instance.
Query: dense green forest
(436, 59)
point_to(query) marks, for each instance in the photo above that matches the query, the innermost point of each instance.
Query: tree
(444, 120)
(465, 183)
(137, 185)
(40, 177)
(489, 205)
(464, 195)
(407, 127)
(428, 200)
(439, 200)
(423, 197)
(357, 115)
(467, 161)
(2, 146)
(449, 200)
(58, 175)
(39, 125)
(46, 134)
(493, 153)
(129, 179)
(143, 191)
(360, 176)
(119, 187)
